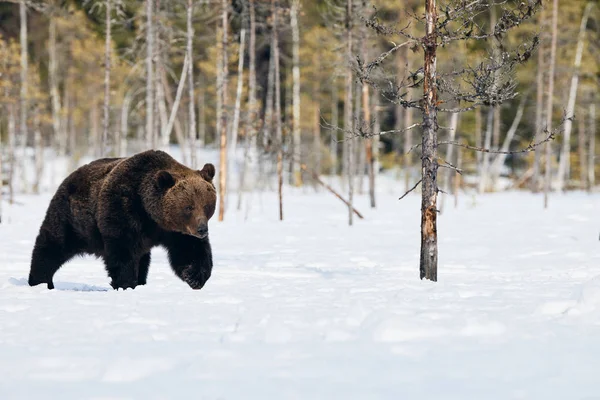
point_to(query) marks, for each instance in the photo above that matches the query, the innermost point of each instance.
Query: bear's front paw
(123, 285)
(196, 279)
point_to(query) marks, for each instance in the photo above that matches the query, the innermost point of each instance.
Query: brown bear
(119, 209)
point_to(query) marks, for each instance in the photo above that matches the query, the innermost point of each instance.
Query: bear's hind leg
(48, 256)
(143, 269)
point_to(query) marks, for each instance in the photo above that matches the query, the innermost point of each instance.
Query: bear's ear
(207, 172)
(164, 180)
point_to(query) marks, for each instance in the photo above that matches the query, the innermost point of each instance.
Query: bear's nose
(203, 230)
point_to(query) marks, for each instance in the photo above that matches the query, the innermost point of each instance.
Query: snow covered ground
(309, 308)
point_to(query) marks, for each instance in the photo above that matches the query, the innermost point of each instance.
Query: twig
(531, 147)
(336, 194)
(411, 189)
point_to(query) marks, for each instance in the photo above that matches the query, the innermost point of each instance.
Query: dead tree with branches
(433, 89)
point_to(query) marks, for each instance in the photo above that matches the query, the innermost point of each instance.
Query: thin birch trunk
(333, 147)
(581, 151)
(501, 158)
(238, 97)
(550, 98)
(446, 176)
(201, 113)
(54, 94)
(592, 148)
(359, 156)
(107, 145)
(160, 111)
(149, 73)
(181, 139)
(457, 177)
(122, 144)
(565, 155)
(178, 95)
(95, 142)
(348, 113)
(278, 130)
(24, 95)
(485, 162)
(296, 92)
(191, 107)
(11, 152)
(539, 113)
(317, 138)
(39, 153)
(366, 105)
(429, 166)
(223, 90)
(478, 139)
(162, 136)
(268, 123)
(251, 134)
(374, 152)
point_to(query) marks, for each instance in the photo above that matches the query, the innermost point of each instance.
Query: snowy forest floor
(310, 308)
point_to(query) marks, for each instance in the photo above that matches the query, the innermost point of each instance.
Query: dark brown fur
(119, 209)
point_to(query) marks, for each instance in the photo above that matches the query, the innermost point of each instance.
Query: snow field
(309, 308)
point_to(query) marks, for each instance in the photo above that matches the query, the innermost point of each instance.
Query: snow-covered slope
(309, 308)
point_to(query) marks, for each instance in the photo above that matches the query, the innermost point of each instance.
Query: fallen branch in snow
(336, 194)
(410, 190)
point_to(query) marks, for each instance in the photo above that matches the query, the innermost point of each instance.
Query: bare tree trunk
(278, 131)
(11, 152)
(223, 92)
(366, 105)
(457, 177)
(39, 153)
(24, 96)
(54, 94)
(268, 124)
(251, 134)
(501, 158)
(122, 143)
(184, 71)
(449, 154)
(149, 73)
(429, 254)
(296, 92)
(95, 142)
(201, 113)
(478, 139)
(238, 97)
(317, 138)
(539, 113)
(581, 144)
(592, 148)
(334, 121)
(162, 136)
(181, 139)
(348, 112)
(191, 109)
(549, 101)
(485, 163)
(107, 145)
(375, 151)
(566, 145)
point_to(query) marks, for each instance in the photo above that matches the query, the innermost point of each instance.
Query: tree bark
(566, 145)
(582, 150)
(191, 108)
(107, 145)
(24, 94)
(251, 134)
(149, 73)
(333, 148)
(11, 152)
(485, 162)
(296, 92)
(278, 130)
(268, 122)
(201, 112)
(539, 112)
(181, 139)
(223, 125)
(549, 101)
(501, 158)
(429, 166)
(238, 97)
(122, 143)
(39, 153)
(59, 136)
(169, 126)
(592, 148)
(348, 112)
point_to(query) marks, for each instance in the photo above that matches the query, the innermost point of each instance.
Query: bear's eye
(189, 209)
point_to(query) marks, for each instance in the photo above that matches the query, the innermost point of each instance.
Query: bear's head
(188, 200)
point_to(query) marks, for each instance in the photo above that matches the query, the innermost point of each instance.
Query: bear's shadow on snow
(64, 286)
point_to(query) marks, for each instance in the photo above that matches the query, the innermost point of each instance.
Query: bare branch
(411, 189)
